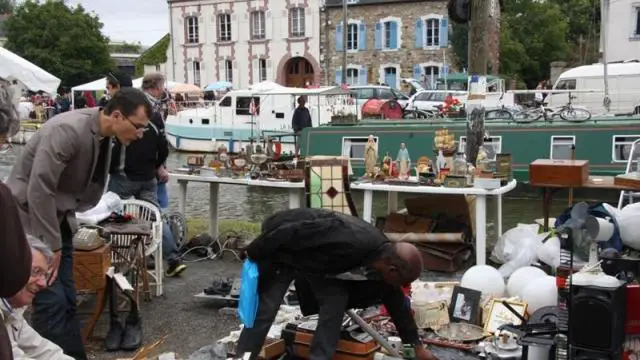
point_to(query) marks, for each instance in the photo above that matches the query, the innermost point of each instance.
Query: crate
(90, 268)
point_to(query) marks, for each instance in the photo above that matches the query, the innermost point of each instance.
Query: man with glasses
(115, 82)
(63, 169)
(26, 343)
(138, 170)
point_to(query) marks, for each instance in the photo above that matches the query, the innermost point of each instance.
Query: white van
(624, 87)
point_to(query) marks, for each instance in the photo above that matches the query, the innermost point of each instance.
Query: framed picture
(500, 315)
(464, 305)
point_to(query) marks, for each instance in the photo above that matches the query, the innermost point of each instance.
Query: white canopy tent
(14, 67)
(101, 85)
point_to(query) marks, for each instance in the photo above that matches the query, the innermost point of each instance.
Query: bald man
(338, 262)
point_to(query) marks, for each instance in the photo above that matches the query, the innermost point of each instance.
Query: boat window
(622, 147)
(204, 121)
(243, 105)
(492, 146)
(226, 101)
(353, 147)
(561, 147)
(566, 84)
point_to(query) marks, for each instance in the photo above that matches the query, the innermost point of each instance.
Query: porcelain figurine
(386, 164)
(404, 162)
(370, 156)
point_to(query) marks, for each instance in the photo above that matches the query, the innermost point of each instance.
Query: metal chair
(630, 195)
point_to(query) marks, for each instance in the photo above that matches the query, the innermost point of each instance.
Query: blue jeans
(54, 308)
(141, 190)
(169, 246)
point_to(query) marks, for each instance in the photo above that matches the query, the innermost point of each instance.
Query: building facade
(623, 30)
(244, 42)
(387, 40)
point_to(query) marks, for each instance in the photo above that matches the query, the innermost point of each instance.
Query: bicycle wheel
(527, 116)
(575, 115)
(498, 114)
(178, 226)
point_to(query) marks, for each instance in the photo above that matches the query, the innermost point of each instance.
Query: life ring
(277, 150)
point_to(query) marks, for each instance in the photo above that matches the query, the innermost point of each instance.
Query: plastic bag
(109, 203)
(249, 298)
(524, 253)
(629, 225)
(508, 243)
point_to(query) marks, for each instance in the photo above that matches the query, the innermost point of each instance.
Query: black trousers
(332, 297)
(54, 308)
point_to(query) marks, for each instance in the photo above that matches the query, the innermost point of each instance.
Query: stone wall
(404, 58)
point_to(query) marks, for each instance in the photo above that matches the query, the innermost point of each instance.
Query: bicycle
(504, 113)
(566, 112)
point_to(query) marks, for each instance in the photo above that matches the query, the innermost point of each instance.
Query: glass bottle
(459, 165)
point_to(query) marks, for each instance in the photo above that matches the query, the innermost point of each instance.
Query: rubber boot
(114, 336)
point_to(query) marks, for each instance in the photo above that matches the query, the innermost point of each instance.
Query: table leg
(101, 296)
(481, 230)
(367, 206)
(546, 206)
(295, 198)
(213, 209)
(182, 196)
(499, 215)
(392, 202)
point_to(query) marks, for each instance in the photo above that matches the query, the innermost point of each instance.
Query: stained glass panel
(327, 185)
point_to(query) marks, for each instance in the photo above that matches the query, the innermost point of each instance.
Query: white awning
(14, 67)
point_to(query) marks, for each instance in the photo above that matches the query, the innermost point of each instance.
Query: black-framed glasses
(135, 125)
(37, 272)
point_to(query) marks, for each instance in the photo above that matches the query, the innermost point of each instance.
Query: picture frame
(464, 305)
(500, 315)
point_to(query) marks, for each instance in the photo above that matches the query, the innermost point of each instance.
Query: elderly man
(15, 257)
(63, 169)
(26, 343)
(138, 169)
(338, 262)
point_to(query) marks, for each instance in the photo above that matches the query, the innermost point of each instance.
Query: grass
(201, 225)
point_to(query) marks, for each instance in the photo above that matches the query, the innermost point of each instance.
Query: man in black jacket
(301, 119)
(136, 169)
(338, 262)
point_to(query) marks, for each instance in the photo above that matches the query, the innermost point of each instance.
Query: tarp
(137, 83)
(13, 67)
(101, 85)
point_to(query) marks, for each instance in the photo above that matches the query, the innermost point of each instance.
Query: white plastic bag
(508, 242)
(109, 203)
(629, 225)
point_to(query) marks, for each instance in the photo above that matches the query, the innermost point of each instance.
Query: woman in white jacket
(26, 343)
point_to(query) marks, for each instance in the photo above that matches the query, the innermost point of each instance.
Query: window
(365, 93)
(431, 74)
(228, 71)
(561, 147)
(353, 147)
(398, 95)
(636, 26)
(492, 146)
(385, 94)
(243, 104)
(158, 67)
(621, 151)
(423, 96)
(204, 121)
(257, 25)
(262, 70)
(196, 73)
(192, 30)
(388, 35)
(297, 21)
(352, 76)
(226, 101)
(352, 37)
(432, 32)
(224, 27)
(566, 84)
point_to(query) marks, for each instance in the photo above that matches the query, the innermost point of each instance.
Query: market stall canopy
(170, 85)
(186, 88)
(96, 85)
(218, 85)
(13, 67)
(265, 86)
(321, 91)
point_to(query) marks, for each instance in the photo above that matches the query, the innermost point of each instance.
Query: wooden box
(630, 181)
(90, 268)
(559, 173)
(299, 342)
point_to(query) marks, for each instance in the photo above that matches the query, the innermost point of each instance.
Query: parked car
(429, 100)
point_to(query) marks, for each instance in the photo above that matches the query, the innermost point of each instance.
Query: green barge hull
(605, 142)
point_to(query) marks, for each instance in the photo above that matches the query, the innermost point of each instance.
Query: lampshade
(485, 279)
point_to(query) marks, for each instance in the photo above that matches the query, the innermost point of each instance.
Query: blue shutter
(339, 30)
(378, 36)
(363, 75)
(417, 72)
(393, 42)
(338, 76)
(444, 32)
(419, 34)
(362, 37)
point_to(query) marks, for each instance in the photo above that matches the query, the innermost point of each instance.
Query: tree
(7, 6)
(65, 41)
(125, 48)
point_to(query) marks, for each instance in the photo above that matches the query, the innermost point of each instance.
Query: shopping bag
(248, 305)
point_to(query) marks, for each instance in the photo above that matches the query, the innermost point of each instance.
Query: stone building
(387, 40)
(244, 42)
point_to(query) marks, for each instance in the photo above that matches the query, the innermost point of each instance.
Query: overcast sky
(145, 21)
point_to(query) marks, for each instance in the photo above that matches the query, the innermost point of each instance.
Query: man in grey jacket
(63, 169)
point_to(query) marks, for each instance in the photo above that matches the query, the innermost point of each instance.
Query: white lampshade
(539, 293)
(485, 279)
(521, 278)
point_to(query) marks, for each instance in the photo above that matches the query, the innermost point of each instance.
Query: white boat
(233, 121)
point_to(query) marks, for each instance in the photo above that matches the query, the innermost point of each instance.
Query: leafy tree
(155, 55)
(65, 41)
(7, 6)
(125, 48)
(460, 44)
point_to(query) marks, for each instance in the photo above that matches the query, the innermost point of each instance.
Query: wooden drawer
(90, 267)
(559, 173)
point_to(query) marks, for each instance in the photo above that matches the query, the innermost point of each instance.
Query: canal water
(254, 204)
